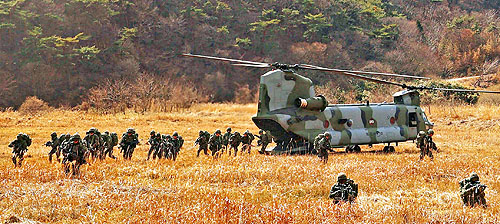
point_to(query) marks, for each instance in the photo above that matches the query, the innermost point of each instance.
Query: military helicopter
(289, 109)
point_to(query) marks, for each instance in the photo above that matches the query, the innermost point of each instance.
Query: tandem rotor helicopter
(289, 109)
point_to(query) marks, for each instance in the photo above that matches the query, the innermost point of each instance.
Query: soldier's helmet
(236, 133)
(152, 132)
(168, 137)
(175, 134)
(53, 134)
(19, 136)
(261, 131)
(201, 133)
(229, 129)
(130, 130)
(474, 176)
(76, 136)
(164, 136)
(328, 135)
(341, 176)
(158, 135)
(421, 133)
(106, 132)
(92, 130)
(113, 133)
(430, 132)
(217, 131)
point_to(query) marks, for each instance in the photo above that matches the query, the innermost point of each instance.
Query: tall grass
(394, 188)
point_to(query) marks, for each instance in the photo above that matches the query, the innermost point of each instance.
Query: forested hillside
(67, 52)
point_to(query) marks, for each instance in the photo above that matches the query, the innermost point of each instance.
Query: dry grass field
(394, 188)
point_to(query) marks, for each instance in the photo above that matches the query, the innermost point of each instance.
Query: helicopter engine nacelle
(312, 103)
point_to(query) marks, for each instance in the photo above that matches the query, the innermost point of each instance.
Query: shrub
(33, 105)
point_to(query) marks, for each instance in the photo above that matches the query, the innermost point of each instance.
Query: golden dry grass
(394, 188)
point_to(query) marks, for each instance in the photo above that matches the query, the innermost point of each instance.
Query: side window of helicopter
(413, 119)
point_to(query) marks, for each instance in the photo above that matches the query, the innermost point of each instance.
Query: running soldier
(154, 143)
(93, 142)
(316, 142)
(74, 155)
(177, 142)
(324, 146)
(345, 190)
(234, 141)
(19, 147)
(108, 145)
(202, 142)
(54, 143)
(225, 140)
(129, 141)
(264, 139)
(472, 191)
(422, 144)
(246, 141)
(215, 142)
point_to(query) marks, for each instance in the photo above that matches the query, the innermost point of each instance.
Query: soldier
(202, 142)
(92, 142)
(421, 144)
(225, 139)
(154, 141)
(235, 141)
(19, 147)
(74, 155)
(129, 141)
(429, 143)
(64, 139)
(215, 142)
(54, 143)
(246, 140)
(316, 142)
(264, 139)
(177, 143)
(167, 147)
(345, 190)
(108, 145)
(472, 191)
(324, 146)
(114, 141)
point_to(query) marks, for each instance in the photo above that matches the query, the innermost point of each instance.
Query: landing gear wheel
(386, 149)
(391, 149)
(349, 149)
(356, 148)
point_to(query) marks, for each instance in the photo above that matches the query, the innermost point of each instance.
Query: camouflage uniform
(324, 146)
(177, 142)
(54, 143)
(129, 141)
(422, 145)
(235, 141)
(345, 190)
(114, 141)
(93, 142)
(246, 140)
(74, 152)
(316, 142)
(202, 142)
(472, 191)
(167, 147)
(215, 142)
(225, 139)
(264, 139)
(429, 142)
(154, 144)
(19, 147)
(108, 145)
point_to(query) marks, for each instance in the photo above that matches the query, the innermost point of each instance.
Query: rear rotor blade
(313, 67)
(224, 59)
(252, 65)
(460, 90)
(381, 81)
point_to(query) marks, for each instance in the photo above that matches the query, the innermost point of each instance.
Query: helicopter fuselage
(289, 109)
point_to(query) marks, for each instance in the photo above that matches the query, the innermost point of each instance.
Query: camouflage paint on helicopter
(289, 108)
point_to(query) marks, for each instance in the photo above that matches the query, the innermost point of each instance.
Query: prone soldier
(129, 141)
(19, 147)
(202, 142)
(54, 143)
(472, 191)
(345, 190)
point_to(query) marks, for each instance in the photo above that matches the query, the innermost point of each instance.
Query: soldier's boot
(149, 153)
(198, 153)
(14, 160)
(50, 157)
(20, 161)
(235, 152)
(58, 154)
(430, 154)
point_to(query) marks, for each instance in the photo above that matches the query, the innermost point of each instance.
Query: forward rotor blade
(252, 65)
(313, 67)
(224, 59)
